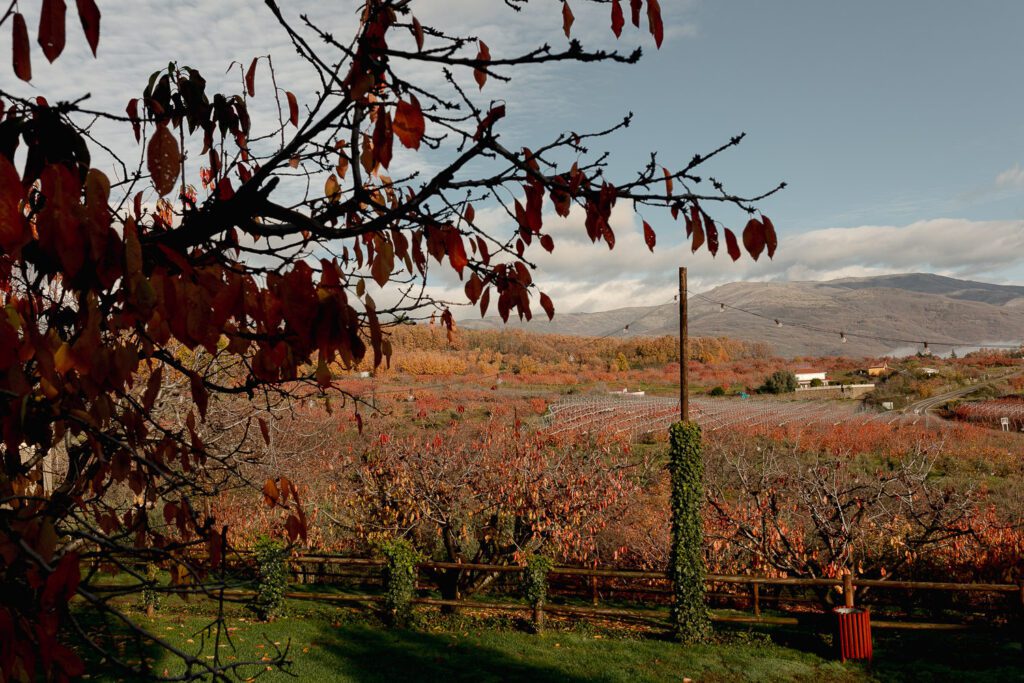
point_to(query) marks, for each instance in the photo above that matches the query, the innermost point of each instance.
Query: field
(345, 645)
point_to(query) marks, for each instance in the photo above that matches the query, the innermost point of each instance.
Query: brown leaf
(484, 55)
(545, 303)
(293, 108)
(19, 43)
(163, 159)
(270, 492)
(332, 189)
(51, 28)
(264, 430)
(771, 240)
(409, 125)
(649, 237)
(567, 18)
(89, 15)
(754, 238)
(250, 78)
(668, 181)
(618, 20)
(474, 287)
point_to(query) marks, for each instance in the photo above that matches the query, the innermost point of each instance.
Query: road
(922, 407)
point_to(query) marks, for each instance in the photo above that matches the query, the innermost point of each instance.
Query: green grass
(343, 644)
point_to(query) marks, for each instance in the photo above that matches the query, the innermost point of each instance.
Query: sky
(898, 126)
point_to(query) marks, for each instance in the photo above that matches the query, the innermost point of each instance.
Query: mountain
(904, 310)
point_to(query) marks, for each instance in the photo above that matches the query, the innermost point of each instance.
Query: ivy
(271, 578)
(150, 596)
(400, 560)
(535, 585)
(690, 619)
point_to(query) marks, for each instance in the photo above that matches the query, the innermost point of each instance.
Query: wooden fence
(753, 588)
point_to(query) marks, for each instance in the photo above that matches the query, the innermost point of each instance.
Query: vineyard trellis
(991, 412)
(639, 415)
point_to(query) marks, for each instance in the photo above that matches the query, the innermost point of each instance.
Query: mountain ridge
(906, 310)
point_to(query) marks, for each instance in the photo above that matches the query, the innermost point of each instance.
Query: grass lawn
(343, 644)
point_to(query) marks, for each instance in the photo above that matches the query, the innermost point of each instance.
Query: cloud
(581, 276)
(1011, 179)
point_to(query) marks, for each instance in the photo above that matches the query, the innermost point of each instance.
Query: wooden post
(757, 600)
(593, 590)
(848, 589)
(684, 347)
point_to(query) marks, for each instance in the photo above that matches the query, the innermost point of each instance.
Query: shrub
(690, 619)
(271, 578)
(780, 382)
(816, 382)
(400, 559)
(717, 391)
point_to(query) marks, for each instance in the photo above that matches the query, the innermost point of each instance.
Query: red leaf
(89, 14)
(754, 238)
(264, 430)
(635, 6)
(545, 303)
(199, 394)
(409, 125)
(698, 235)
(548, 243)
(771, 240)
(474, 287)
(567, 18)
(133, 113)
(618, 20)
(383, 139)
(496, 113)
(456, 251)
(649, 237)
(163, 160)
(485, 300)
(731, 245)
(250, 78)
(654, 21)
(711, 232)
(417, 31)
(51, 28)
(293, 108)
(483, 56)
(152, 387)
(19, 43)
(668, 181)
(12, 222)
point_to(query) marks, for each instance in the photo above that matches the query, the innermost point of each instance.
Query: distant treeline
(428, 349)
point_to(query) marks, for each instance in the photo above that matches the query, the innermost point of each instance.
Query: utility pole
(684, 347)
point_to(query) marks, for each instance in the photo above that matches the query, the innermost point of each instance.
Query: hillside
(915, 306)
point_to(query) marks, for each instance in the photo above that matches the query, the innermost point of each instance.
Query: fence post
(757, 599)
(848, 588)
(593, 590)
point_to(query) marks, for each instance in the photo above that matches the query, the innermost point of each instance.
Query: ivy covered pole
(536, 584)
(691, 622)
(400, 560)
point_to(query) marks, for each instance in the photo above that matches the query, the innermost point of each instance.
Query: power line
(842, 334)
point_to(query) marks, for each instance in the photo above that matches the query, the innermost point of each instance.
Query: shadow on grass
(366, 654)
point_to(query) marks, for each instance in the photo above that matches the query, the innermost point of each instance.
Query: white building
(805, 376)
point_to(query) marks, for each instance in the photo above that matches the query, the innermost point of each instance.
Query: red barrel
(854, 633)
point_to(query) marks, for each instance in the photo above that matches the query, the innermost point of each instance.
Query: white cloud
(1011, 178)
(581, 276)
